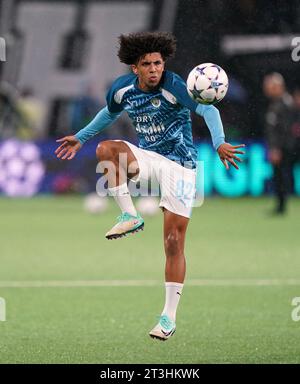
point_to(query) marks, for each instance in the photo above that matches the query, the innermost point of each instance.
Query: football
(207, 83)
(95, 204)
(148, 206)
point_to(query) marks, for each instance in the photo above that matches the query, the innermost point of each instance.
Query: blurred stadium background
(57, 59)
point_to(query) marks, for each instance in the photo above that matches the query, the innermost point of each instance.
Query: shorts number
(184, 191)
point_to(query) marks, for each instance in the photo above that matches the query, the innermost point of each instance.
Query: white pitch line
(147, 283)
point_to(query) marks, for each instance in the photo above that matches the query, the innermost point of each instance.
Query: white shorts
(177, 184)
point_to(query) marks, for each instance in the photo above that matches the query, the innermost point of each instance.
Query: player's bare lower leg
(115, 157)
(174, 237)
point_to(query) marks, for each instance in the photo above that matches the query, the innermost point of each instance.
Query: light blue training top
(161, 117)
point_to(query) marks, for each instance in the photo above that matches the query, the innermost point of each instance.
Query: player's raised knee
(105, 150)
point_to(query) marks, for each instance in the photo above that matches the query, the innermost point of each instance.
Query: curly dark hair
(136, 45)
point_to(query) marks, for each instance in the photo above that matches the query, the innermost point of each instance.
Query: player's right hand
(69, 147)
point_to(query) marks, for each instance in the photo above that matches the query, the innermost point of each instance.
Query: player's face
(149, 70)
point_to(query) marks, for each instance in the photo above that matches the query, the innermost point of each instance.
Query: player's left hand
(69, 147)
(228, 152)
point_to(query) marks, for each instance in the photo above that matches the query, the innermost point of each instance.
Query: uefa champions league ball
(207, 83)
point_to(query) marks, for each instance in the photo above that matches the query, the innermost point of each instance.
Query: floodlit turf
(242, 274)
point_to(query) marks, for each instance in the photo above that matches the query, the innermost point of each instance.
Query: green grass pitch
(71, 297)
